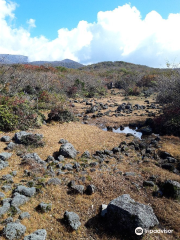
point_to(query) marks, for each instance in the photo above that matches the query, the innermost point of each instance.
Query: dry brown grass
(171, 144)
(109, 185)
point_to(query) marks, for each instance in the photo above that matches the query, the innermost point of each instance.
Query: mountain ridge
(21, 59)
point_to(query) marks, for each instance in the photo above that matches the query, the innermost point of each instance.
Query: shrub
(61, 115)
(28, 117)
(16, 113)
(134, 91)
(44, 96)
(8, 121)
(72, 91)
(169, 122)
(32, 140)
(148, 81)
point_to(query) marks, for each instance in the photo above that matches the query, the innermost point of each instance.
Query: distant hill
(13, 59)
(64, 63)
(115, 66)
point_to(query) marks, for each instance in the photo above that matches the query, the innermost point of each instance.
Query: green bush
(16, 113)
(8, 121)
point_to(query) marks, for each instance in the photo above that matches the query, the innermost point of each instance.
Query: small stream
(126, 130)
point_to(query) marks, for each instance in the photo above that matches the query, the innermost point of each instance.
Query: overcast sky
(142, 32)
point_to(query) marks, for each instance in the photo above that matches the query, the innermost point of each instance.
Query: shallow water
(127, 130)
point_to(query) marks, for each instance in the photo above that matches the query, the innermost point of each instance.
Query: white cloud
(118, 35)
(31, 23)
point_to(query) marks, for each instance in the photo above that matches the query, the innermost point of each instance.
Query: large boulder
(26, 191)
(78, 189)
(68, 150)
(39, 234)
(27, 138)
(14, 231)
(17, 137)
(72, 219)
(172, 189)
(126, 215)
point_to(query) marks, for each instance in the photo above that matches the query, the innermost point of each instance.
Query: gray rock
(14, 173)
(71, 183)
(44, 207)
(171, 160)
(126, 214)
(103, 210)
(36, 158)
(8, 220)
(54, 181)
(11, 146)
(172, 189)
(93, 164)
(8, 178)
(127, 174)
(59, 172)
(14, 231)
(68, 167)
(5, 156)
(50, 172)
(78, 189)
(59, 165)
(168, 166)
(145, 130)
(32, 156)
(86, 154)
(17, 137)
(6, 188)
(39, 234)
(62, 141)
(5, 206)
(76, 165)
(3, 164)
(24, 215)
(164, 154)
(60, 158)
(148, 184)
(108, 152)
(68, 150)
(18, 200)
(50, 159)
(2, 195)
(5, 139)
(90, 189)
(72, 219)
(26, 191)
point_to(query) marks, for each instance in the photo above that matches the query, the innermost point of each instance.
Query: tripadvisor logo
(139, 231)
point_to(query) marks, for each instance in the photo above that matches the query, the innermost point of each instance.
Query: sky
(90, 31)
